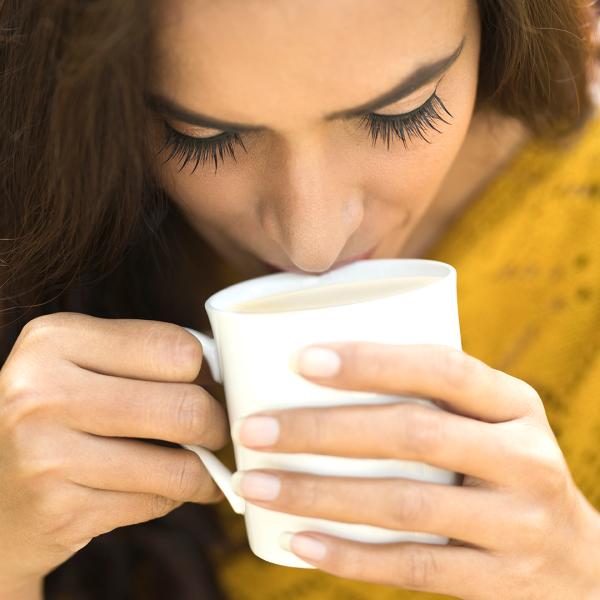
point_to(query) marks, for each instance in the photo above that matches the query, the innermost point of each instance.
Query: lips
(340, 263)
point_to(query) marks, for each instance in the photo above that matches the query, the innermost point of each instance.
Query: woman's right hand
(73, 390)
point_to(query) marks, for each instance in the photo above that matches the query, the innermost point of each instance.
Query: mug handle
(217, 470)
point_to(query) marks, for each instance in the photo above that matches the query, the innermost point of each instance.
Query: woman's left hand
(519, 526)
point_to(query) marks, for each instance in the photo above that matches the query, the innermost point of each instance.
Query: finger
(461, 382)
(472, 515)
(134, 466)
(451, 570)
(150, 350)
(183, 413)
(404, 431)
(106, 510)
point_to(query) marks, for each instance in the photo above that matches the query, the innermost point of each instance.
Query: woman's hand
(519, 527)
(74, 392)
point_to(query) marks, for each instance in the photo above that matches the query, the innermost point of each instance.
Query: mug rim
(222, 300)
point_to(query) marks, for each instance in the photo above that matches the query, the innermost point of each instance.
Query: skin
(310, 192)
(509, 523)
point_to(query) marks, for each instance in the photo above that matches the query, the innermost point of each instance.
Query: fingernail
(319, 362)
(256, 486)
(255, 431)
(303, 545)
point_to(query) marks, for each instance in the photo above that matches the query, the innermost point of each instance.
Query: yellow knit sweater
(527, 253)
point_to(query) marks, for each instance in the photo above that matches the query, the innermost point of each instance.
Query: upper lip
(339, 263)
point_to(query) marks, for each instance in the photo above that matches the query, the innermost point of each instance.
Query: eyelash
(187, 148)
(405, 127)
(408, 125)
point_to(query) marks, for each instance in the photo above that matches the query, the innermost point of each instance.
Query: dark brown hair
(84, 226)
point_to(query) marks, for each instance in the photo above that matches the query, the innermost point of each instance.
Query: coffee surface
(333, 294)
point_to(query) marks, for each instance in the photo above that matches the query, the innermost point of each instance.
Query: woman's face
(294, 103)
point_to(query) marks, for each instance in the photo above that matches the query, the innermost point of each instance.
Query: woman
(155, 152)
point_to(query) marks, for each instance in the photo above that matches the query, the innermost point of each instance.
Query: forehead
(241, 60)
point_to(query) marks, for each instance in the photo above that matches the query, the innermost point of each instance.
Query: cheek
(202, 196)
(414, 176)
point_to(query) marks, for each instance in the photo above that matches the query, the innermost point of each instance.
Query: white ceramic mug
(250, 355)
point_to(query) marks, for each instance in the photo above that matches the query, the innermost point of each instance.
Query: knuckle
(185, 478)
(534, 525)
(530, 570)
(168, 346)
(190, 413)
(554, 477)
(348, 562)
(421, 432)
(35, 459)
(410, 505)
(307, 493)
(189, 350)
(456, 368)
(33, 468)
(421, 568)
(20, 398)
(544, 458)
(531, 398)
(156, 345)
(315, 428)
(43, 327)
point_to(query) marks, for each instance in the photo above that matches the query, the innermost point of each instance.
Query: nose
(312, 205)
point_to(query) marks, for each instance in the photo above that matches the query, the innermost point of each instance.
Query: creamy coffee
(333, 294)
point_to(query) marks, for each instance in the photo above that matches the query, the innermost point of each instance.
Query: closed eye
(406, 126)
(217, 148)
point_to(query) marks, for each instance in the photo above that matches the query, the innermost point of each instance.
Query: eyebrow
(423, 75)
